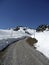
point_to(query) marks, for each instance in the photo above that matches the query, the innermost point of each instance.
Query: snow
(43, 42)
(31, 31)
(4, 34)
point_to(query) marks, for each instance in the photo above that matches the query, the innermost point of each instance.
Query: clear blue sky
(29, 13)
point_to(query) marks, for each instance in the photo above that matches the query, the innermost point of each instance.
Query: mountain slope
(13, 33)
(43, 42)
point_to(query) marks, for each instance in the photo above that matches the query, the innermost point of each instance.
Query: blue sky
(29, 13)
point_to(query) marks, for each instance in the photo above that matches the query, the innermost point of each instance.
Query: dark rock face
(42, 28)
(17, 28)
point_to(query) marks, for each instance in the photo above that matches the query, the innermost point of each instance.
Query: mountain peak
(42, 27)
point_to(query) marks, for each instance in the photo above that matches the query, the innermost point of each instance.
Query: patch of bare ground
(31, 41)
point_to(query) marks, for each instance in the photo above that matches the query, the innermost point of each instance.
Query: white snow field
(43, 37)
(43, 42)
(4, 34)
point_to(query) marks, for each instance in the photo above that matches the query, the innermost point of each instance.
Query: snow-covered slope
(43, 42)
(4, 34)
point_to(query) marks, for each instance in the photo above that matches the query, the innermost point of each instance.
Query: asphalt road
(20, 53)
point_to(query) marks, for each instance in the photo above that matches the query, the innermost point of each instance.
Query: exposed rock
(42, 28)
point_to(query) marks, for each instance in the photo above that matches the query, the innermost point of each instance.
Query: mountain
(43, 37)
(16, 32)
(42, 28)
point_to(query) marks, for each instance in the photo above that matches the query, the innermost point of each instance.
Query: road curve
(20, 53)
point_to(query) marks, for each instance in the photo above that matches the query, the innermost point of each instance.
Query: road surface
(20, 53)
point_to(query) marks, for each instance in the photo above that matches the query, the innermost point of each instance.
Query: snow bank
(43, 42)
